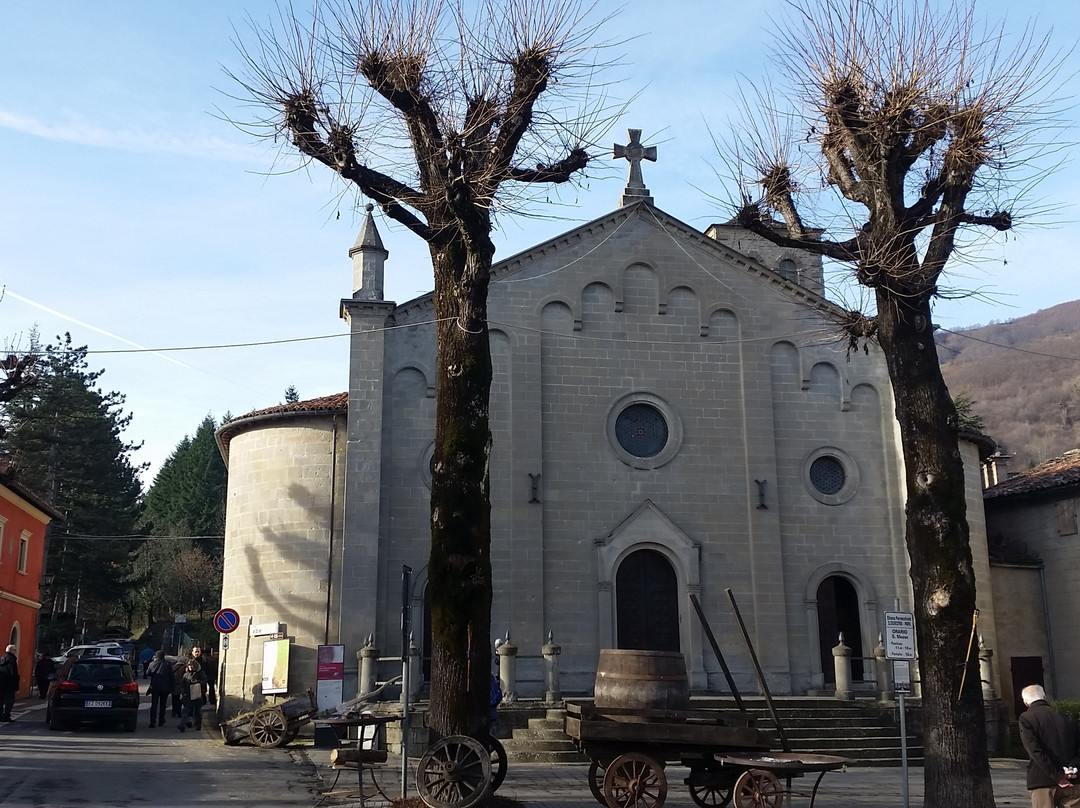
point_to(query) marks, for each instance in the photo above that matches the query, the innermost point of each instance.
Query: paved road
(163, 768)
(105, 766)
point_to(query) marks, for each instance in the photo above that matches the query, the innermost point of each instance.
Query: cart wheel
(455, 771)
(710, 796)
(291, 736)
(634, 780)
(498, 762)
(268, 727)
(757, 788)
(596, 781)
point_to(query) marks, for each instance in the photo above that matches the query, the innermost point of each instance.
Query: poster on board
(330, 676)
(275, 678)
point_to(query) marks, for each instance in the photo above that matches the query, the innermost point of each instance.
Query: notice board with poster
(275, 677)
(330, 676)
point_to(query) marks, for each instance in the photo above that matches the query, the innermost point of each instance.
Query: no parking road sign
(226, 620)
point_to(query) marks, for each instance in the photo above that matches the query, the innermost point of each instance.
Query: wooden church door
(647, 604)
(838, 613)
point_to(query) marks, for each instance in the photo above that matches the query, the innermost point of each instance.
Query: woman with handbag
(192, 696)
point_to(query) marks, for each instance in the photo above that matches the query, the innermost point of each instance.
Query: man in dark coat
(9, 682)
(1050, 740)
(44, 672)
(162, 684)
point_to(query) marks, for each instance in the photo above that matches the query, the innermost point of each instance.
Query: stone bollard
(551, 653)
(507, 653)
(369, 657)
(842, 665)
(881, 672)
(985, 671)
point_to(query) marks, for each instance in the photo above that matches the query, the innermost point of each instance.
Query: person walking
(44, 672)
(146, 656)
(1050, 739)
(9, 682)
(162, 680)
(192, 696)
(179, 668)
(210, 668)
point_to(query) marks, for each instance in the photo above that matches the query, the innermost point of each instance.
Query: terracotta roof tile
(1061, 472)
(338, 401)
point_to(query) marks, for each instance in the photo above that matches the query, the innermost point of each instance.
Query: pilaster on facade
(362, 521)
(768, 589)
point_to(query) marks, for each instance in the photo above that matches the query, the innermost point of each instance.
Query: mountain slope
(1023, 377)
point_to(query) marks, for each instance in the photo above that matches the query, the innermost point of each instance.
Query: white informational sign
(263, 629)
(899, 635)
(901, 676)
(275, 676)
(330, 675)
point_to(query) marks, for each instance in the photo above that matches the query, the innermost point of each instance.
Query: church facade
(673, 414)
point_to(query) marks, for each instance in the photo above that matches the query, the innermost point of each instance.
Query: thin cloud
(86, 133)
(81, 324)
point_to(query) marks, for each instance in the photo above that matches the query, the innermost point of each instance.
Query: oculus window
(641, 430)
(644, 430)
(830, 475)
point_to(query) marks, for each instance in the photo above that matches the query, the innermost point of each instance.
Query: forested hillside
(1023, 377)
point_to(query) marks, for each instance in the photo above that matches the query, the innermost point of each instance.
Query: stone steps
(863, 732)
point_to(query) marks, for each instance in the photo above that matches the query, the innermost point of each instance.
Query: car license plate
(99, 704)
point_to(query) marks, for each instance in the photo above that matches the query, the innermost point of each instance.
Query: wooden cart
(755, 778)
(272, 724)
(728, 758)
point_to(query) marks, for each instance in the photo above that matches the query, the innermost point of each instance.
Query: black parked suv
(93, 689)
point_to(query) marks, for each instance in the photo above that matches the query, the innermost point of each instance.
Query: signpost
(899, 635)
(900, 647)
(225, 621)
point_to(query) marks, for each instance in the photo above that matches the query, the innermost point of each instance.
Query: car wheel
(53, 722)
(130, 724)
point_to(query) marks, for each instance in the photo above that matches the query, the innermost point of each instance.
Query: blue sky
(133, 216)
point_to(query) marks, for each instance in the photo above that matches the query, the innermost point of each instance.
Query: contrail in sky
(81, 324)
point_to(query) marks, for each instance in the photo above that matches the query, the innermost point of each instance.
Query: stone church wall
(285, 481)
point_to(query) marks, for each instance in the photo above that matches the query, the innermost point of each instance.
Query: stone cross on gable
(635, 190)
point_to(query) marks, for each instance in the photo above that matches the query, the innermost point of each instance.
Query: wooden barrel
(641, 680)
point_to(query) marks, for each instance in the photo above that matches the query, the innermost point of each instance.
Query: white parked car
(100, 649)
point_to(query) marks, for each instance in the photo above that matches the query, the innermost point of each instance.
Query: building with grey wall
(673, 414)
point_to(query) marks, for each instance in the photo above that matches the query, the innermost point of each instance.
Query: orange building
(23, 517)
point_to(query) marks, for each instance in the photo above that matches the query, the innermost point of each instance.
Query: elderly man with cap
(1050, 740)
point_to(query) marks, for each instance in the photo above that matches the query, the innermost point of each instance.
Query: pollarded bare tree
(913, 119)
(444, 114)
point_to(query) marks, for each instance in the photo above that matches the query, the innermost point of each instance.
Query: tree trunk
(459, 567)
(956, 771)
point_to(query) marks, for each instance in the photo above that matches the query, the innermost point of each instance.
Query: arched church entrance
(838, 613)
(646, 603)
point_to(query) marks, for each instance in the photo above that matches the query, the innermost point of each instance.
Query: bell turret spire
(369, 259)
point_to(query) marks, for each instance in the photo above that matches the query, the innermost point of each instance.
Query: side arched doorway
(646, 603)
(838, 613)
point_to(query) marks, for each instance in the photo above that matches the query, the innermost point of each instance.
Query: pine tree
(187, 497)
(64, 436)
(185, 507)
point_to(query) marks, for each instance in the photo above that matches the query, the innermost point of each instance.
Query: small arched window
(788, 270)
